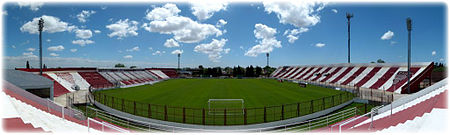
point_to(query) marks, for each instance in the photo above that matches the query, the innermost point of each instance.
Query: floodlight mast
(348, 28)
(179, 55)
(267, 55)
(41, 27)
(409, 27)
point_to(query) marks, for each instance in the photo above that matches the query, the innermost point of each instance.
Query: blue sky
(322, 38)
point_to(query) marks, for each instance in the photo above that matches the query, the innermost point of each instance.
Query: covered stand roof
(27, 80)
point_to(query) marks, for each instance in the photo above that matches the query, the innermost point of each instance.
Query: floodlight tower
(409, 27)
(267, 55)
(179, 55)
(41, 26)
(348, 28)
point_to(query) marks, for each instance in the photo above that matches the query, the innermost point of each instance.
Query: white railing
(89, 120)
(372, 112)
(323, 121)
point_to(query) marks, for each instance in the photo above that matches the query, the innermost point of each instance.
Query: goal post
(232, 106)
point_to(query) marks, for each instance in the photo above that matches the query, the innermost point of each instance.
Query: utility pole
(348, 28)
(409, 27)
(267, 55)
(41, 26)
(179, 55)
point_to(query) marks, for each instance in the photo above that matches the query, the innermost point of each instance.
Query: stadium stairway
(39, 119)
(160, 74)
(411, 111)
(426, 123)
(17, 125)
(61, 81)
(11, 119)
(80, 81)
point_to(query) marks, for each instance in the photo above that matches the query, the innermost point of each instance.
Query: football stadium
(259, 89)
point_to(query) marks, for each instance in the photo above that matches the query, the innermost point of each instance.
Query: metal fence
(200, 116)
(379, 95)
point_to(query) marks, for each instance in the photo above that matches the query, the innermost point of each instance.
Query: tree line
(238, 71)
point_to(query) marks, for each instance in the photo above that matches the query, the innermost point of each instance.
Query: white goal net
(226, 106)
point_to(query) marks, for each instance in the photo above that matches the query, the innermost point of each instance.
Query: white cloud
(214, 49)
(82, 42)
(73, 50)
(150, 48)
(297, 13)
(83, 34)
(182, 28)
(51, 25)
(161, 13)
(171, 43)
(433, 53)
(54, 54)
(128, 56)
(388, 35)
(13, 46)
(4, 12)
(49, 40)
(442, 59)
(97, 31)
(56, 48)
(31, 49)
(136, 48)
(123, 29)
(177, 52)
(292, 35)
(334, 10)
(221, 23)
(34, 6)
(84, 15)
(320, 45)
(206, 9)
(157, 53)
(267, 40)
(28, 54)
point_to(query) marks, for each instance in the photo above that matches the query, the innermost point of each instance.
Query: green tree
(268, 70)
(133, 67)
(28, 65)
(119, 65)
(258, 71)
(380, 61)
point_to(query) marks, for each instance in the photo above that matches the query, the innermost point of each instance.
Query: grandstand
(68, 80)
(35, 114)
(386, 77)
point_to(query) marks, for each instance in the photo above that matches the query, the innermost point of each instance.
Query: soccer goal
(231, 106)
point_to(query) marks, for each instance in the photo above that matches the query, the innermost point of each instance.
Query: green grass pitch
(196, 92)
(193, 95)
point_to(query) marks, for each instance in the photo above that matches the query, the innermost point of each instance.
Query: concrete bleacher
(366, 75)
(95, 79)
(25, 112)
(407, 112)
(131, 77)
